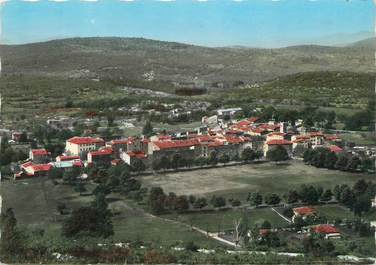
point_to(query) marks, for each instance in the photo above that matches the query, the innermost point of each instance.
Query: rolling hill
(143, 59)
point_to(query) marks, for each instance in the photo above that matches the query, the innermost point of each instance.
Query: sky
(256, 23)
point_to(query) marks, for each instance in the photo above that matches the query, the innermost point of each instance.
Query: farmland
(35, 201)
(238, 181)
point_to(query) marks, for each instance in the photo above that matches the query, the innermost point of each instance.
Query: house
(39, 156)
(327, 230)
(29, 169)
(102, 157)
(317, 139)
(62, 158)
(80, 146)
(17, 136)
(67, 164)
(131, 156)
(335, 149)
(228, 112)
(303, 212)
(118, 146)
(270, 145)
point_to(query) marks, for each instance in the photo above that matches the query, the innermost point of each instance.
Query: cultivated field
(238, 181)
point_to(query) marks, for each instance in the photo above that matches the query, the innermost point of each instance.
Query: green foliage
(255, 198)
(11, 240)
(279, 153)
(218, 201)
(147, 130)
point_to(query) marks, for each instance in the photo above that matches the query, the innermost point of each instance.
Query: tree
(360, 187)
(11, 243)
(342, 162)
(200, 203)
(279, 153)
(147, 130)
(181, 204)
(266, 225)
(255, 198)
(292, 196)
(224, 158)
(272, 198)
(176, 161)
(353, 164)
(138, 166)
(309, 194)
(70, 175)
(327, 195)
(89, 221)
(164, 163)
(248, 154)
(362, 204)
(218, 201)
(213, 159)
(157, 199)
(347, 197)
(330, 160)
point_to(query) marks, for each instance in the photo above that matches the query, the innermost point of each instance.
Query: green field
(34, 202)
(238, 181)
(224, 220)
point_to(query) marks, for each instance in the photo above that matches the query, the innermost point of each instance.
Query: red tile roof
(313, 134)
(67, 158)
(278, 142)
(120, 141)
(106, 151)
(264, 232)
(253, 119)
(331, 137)
(234, 140)
(176, 144)
(276, 133)
(39, 152)
(335, 149)
(243, 123)
(325, 229)
(304, 210)
(41, 167)
(85, 140)
(78, 163)
(137, 154)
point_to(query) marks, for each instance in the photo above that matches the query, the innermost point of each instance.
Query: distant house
(62, 158)
(30, 169)
(228, 112)
(303, 212)
(317, 139)
(270, 145)
(335, 149)
(131, 156)
(102, 157)
(80, 146)
(39, 156)
(327, 230)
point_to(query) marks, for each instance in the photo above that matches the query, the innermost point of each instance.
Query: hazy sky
(268, 23)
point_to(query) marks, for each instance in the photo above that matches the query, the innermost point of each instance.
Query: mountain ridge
(145, 59)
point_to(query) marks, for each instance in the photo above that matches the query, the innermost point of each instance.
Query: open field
(238, 181)
(224, 220)
(333, 212)
(34, 202)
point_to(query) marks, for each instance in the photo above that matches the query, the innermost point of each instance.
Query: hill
(143, 59)
(369, 43)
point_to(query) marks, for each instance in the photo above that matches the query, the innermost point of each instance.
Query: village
(221, 140)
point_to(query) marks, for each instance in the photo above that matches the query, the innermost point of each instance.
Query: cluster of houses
(328, 231)
(232, 140)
